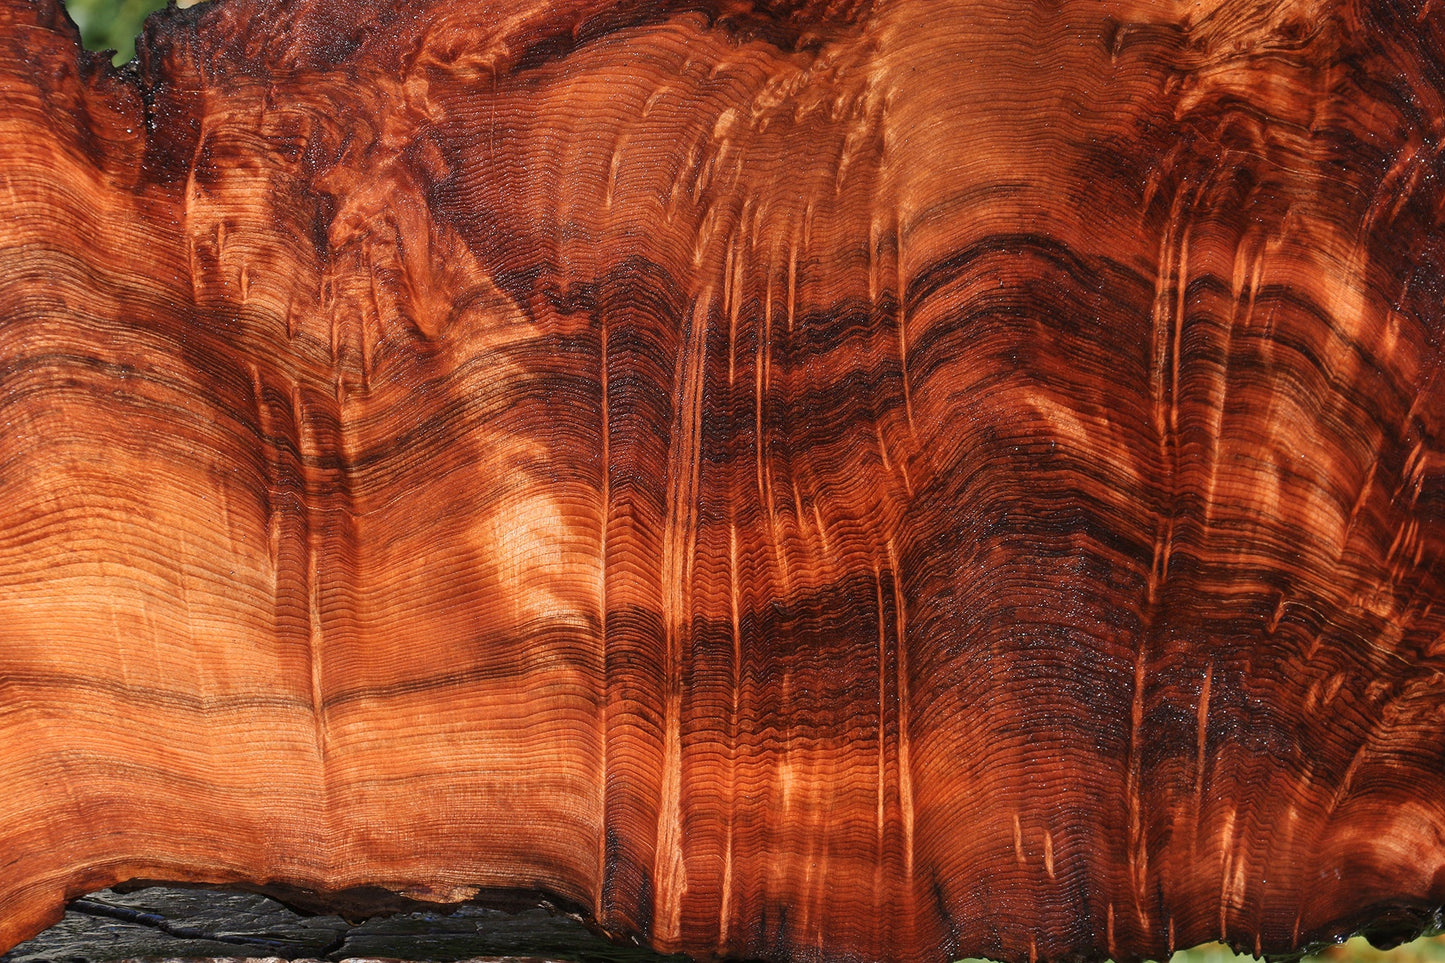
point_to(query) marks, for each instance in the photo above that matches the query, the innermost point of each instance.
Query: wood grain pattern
(889, 479)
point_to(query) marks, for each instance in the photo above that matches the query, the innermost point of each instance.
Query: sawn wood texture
(890, 480)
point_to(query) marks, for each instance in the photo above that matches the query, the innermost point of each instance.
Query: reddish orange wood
(862, 480)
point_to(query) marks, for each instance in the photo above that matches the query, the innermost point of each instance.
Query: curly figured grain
(896, 480)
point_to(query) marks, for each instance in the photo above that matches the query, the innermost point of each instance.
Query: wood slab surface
(793, 479)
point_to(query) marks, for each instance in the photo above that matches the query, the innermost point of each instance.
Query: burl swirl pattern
(808, 481)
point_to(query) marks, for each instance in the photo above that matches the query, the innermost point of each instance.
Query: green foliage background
(111, 24)
(114, 25)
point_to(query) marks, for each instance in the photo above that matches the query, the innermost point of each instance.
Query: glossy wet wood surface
(896, 480)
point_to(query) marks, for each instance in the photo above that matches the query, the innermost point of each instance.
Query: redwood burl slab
(895, 480)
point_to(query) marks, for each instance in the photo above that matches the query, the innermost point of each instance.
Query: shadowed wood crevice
(891, 480)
